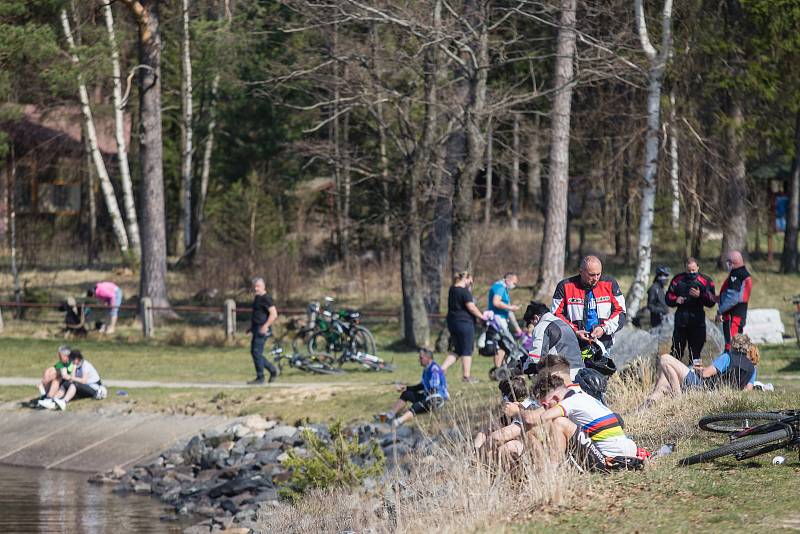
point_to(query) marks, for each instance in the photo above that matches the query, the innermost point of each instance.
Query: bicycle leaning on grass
(300, 362)
(750, 434)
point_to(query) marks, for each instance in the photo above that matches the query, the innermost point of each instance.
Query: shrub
(339, 463)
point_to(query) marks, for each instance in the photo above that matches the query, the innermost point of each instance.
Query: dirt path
(133, 384)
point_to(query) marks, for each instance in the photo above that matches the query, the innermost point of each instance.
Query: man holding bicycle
(264, 315)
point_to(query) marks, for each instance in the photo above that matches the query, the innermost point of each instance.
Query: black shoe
(272, 378)
(257, 382)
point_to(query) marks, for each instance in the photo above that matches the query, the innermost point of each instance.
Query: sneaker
(469, 379)
(274, 375)
(256, 382)
(61, 404)
(47, 404)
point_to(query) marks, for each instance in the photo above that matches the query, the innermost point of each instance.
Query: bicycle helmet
(601, 364)
(592, 382)
(662, 270)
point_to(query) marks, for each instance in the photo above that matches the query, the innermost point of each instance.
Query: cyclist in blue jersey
(428, 395)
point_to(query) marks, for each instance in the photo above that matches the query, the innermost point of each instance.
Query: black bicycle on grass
(750, 434)
(301, 363)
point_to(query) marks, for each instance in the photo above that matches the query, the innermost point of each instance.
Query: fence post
(230, 318)
(1, 320)
(147, 316)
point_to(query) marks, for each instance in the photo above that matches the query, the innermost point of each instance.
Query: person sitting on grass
(429, 394)
(575, 424)
(737, 369)
(551, 364)
(53, 377)
(516, 397)
(83, 383)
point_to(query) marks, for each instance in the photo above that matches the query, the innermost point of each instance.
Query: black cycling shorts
(82, 391)
(418, 401)
(462, 335)
(585, 452)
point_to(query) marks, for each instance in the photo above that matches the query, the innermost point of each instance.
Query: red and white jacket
(569, 304)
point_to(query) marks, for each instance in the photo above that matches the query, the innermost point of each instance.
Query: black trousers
(692, 336)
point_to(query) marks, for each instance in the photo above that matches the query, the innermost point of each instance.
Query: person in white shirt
(84, 382)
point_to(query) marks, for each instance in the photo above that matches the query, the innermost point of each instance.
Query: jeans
(257, 352)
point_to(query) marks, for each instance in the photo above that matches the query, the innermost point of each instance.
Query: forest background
(402, 141)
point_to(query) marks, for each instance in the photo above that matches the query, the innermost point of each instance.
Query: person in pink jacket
(110, 294)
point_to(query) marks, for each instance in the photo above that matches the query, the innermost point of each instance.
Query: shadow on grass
(793, 367)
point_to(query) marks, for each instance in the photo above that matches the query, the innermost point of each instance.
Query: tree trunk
(437, 242)
(674, 169)
(184, 240)
(205, 173)
(789, 261)
(534, 164)
(91, 249)
(555, 224)
(128, 201)
(117, 226)
(734, 224)
(487, 207)
(476, 98)
(515, 174)
(153, 277)
(12, 222)
(658, 63)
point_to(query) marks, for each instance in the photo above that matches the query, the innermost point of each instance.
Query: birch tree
(515, 156)
(658, 63)
(119, 135)
(555, 224)
(674, 168)
(187, 130)
(117, 225)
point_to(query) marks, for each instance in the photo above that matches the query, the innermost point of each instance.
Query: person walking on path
(591, 303)
(461, 315)
(264, 315)
(734, 296)
(109, 294)
(656, 295)
(690, 292)
(499, 303)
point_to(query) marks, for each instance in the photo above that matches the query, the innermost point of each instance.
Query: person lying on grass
(428, 395)
(84, 382)
(736, 369)
(516, 397)
(54, 376)
(550, 364)
(573, 423)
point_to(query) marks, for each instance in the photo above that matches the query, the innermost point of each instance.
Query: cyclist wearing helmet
(428, 395)
(656, 295)
(551, 335)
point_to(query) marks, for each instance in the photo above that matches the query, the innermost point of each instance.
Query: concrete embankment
(92, 442)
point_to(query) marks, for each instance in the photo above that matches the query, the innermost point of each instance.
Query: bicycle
(750, 434)
(350, 353)
(301, 363)
(343, 331)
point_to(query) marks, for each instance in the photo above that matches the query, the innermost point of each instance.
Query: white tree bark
(205, 173)
(487, 207)
(555, 225)
(119, 133)
(515, 175)
(534, 163)
(117, 225)
(658, 63)
(674, 170)
(186, 128)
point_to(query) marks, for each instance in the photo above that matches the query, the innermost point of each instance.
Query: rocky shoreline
(227, 476)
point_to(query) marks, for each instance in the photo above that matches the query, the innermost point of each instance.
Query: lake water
(35, 500)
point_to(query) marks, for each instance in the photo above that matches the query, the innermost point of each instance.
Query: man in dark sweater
(690, 292)
(734, 295)
(656, 297)
(264, 314)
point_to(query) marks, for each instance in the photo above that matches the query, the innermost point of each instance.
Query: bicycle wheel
(318, 343)
(301, 339)
(728, 423)
(739, 446)
(364, 341)
(322, 369)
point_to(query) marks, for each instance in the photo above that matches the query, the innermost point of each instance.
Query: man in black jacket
(690, 292)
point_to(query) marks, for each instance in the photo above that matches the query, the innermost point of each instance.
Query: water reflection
(35, 500)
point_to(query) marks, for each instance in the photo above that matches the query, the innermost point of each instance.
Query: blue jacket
(434, 381)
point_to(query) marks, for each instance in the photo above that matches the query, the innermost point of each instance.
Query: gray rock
(142, 487)
(194, 450)
(279, 432)
(631, 343)
(715, 342)
(764, 325)
(268, 457)
(213, 438)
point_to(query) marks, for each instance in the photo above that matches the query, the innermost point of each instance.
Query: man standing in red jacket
(733, 297)
(591, 303)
